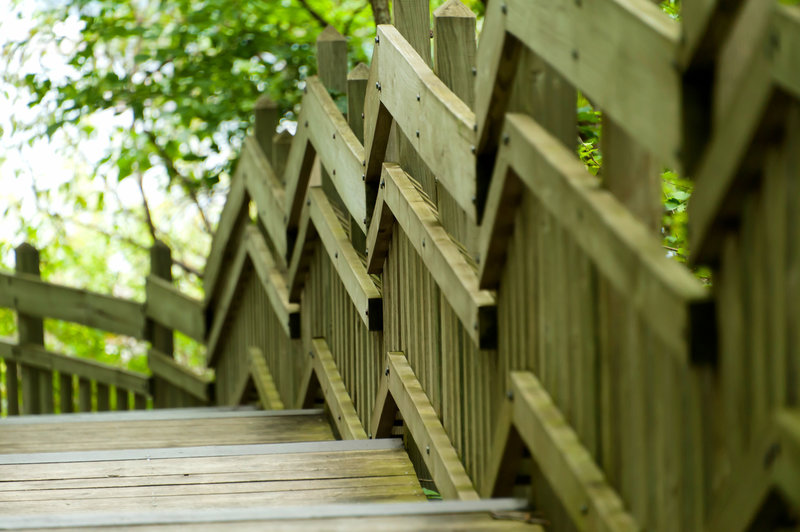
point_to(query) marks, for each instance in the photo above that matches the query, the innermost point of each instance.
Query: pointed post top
(265, 102)
(330, 34)
(361, 71)
(454, 8)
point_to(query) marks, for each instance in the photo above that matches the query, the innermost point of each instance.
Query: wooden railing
(38, 381)
(445, 265)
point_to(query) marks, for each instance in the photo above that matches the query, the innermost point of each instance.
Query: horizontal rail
(439, 125)
(667, 296)
(323, 131)
(267, 193)
(178, 376)
(400, 389)
(455, 276)
(569, 468)
(40, 358)
(320, 222)
(173, 309)
(623, 54)
(32, 296)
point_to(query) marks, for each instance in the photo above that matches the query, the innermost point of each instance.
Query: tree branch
(314, 14)
(173, 173)
(148, 218)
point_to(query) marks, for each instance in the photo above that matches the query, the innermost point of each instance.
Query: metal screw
(474, 71)
(474, 199)
(386, 372)
(363, 177)
(336, 255)
(506, 139)
(475, 128)
(510, 395)
(575, 54)
(584, 509)
(334, 172)
(418, 97)
(366, 251)
(377, 39)
(504, 9)
(383, 184)
(418, 133)
(334, 136)
(362, 116)
(378, 85)
(364, 163)
(423, 242)
(427, 449)
(339, 418)
(472, 149)
(308, 202)
(365, 221)
(306, 123)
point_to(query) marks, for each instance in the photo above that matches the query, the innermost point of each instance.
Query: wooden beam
(343, 412)
(339, 149)
(173, 309)
(454, 275)
(40, 358)
(348, 264)
(268, 394)
(569, 468)
(505, 455)
(421, 420)
(677, 307)
(301, 256)
(309, 385)
(297, 177)
(166, 368)
(267, 193)
(32, 296)
(379, 235)
(437, 123)
(224, 304)
(384, 410)
(274, 282)
(231, 214)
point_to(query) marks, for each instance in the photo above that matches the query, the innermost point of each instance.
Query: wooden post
(281, 143)
(356, 90)
(413, 20)
(630, 173)
(162, 338)
(37, 385)
(332, 59)
(456, 50)
(267, 116)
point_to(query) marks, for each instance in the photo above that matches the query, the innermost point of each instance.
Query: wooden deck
(215, 466)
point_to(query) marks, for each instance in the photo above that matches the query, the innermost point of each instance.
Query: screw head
(504, 9)
(378, 85)
(418, 133)
(506, 139)
(363, 177)
(334, 136)
(334, 172)
(306, 124)
(336, 255)
(584, 509)
(474, 71)
(427, 449)
(475, 128)
(510, 395)
(472, 149)
(308, 202)
(575, 54)
(362, 116)
(418, 97)
(383, 184)
(386, 371)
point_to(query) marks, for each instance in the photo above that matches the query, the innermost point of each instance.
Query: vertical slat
(139, 402)
(103, 397)
(66, 399)
(84, 395)
(37, 385)
(12, 388)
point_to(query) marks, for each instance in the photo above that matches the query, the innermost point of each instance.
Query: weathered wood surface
(34, 297)
(144, 432)
(182, 378)
(173, 309)
(499, 514)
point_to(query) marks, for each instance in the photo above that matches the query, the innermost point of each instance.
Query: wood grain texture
(173, 309)
(166, 368)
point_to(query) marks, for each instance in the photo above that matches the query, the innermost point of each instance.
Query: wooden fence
(38, 381)
(444, 266)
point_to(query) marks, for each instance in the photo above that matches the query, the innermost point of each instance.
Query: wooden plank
(173, 309)
(237, 201)
(38, 357)
(456, 278)
(34, 297)
(348, 264)
(165, 367)
(267, 116)
(357, 81)
(430, 437)
(438, 124)
(351, 516)
(631, 42)
(12, 387)
(338, 400)
(85, 394)
(379, 235)
(267, 193)
(273, 281)
(208, 451)
(268, 394)
(569, 468)
(66, 393)
(669, 298)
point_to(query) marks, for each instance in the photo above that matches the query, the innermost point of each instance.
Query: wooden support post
(65, 393)
(267, 116)
(332, 59)
(281, 144)
(162, 338)
(84, 395)
(455, 51)
(37, 385)
(412, 18)
(630, 173)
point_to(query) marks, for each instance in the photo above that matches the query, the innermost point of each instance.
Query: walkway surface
(211, 468)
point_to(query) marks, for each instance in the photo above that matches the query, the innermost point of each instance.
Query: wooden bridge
(432, 291)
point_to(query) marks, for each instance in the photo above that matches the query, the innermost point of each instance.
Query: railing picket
(12, 388)
(103, 397)
(66, 395)
(122, 398)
